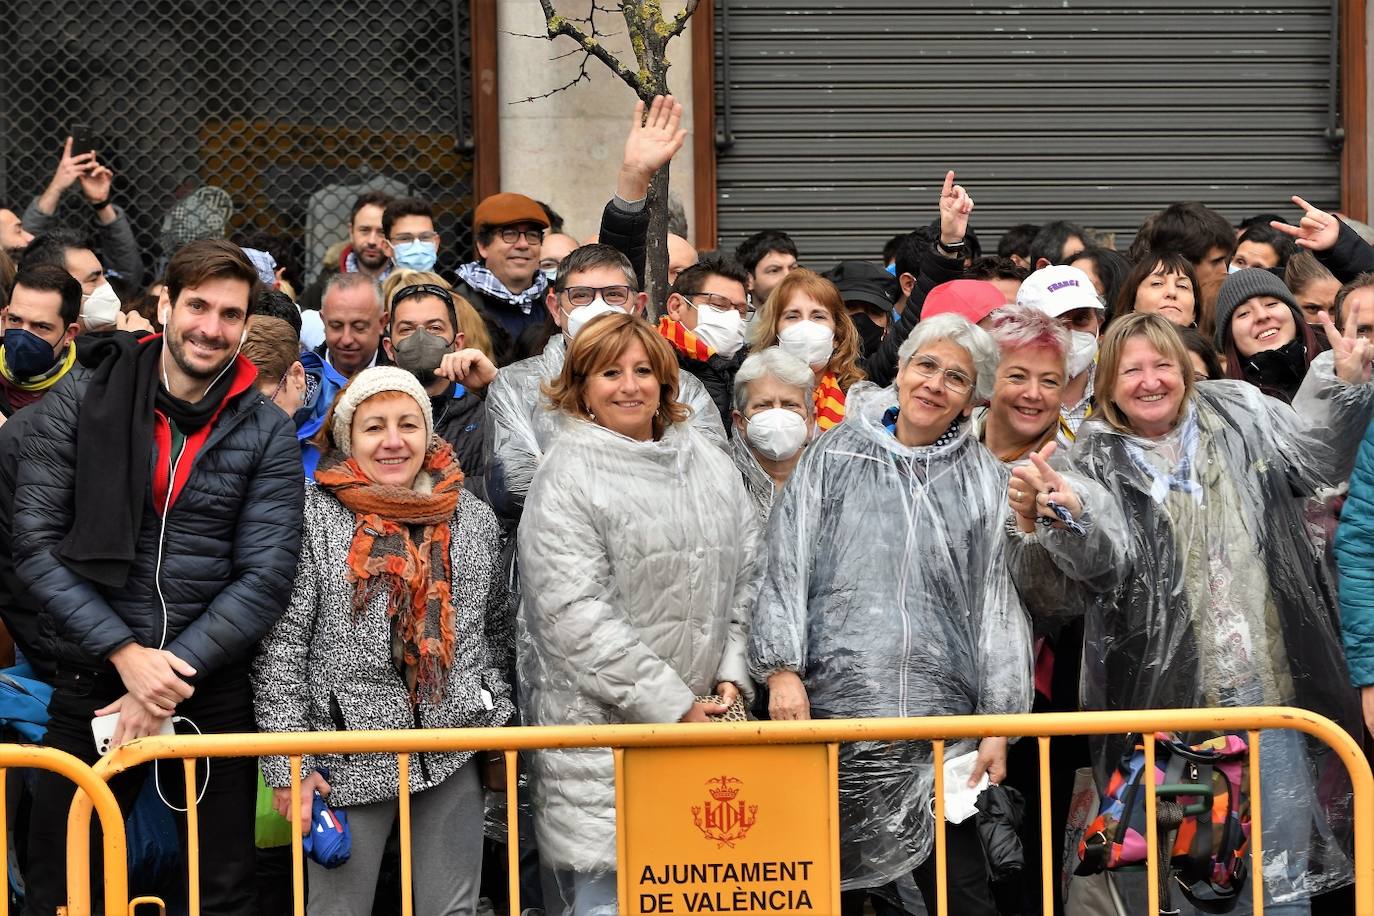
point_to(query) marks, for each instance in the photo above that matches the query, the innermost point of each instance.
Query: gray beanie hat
(374, 381)
(1247, 284)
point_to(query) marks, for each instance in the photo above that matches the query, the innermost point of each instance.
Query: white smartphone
(103, 728)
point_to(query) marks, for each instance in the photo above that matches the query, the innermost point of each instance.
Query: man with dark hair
(705, 324)
(767, 257)
(427, 341)
(1055, 243)
(156, 525)
(100, 306)
(13, 237)
(593, 280)
(274, 303)
(118, 248)
(1199, 233)
(1002, 272)
(40, 326)
(1016, 244)
(1355, 302)
(365, 252)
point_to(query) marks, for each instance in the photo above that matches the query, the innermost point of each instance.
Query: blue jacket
(1355, 560)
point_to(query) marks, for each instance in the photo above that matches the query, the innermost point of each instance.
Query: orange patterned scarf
(829, 402)
(414, 572)
(683, 340)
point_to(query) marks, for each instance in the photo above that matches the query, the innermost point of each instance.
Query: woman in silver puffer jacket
(636, 555)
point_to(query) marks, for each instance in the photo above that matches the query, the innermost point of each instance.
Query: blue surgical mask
(26, 354)
(416, 255)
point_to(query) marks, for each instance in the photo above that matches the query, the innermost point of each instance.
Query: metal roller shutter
(836, 122)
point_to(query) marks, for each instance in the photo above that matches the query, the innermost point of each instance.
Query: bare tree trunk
(656, 252)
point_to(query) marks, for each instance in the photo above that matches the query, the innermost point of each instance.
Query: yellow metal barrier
(94, 792)
(829, 732)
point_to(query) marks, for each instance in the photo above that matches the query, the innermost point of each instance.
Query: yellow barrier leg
(192, 836)
(407, 892)
(941, 890)
(1047, 875)
(1256, 827)
(297, 851)
(1151, 827)
(513, 828)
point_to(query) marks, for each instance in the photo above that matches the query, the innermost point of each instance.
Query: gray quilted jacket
(636, 567)
(320, 670)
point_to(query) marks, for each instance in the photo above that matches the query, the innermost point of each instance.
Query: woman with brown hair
(805, 316)
(636, 556)
(1164, 284)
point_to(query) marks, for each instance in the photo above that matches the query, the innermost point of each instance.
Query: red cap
(973, 299)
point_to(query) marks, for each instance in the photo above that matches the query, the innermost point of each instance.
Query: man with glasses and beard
(156, 525)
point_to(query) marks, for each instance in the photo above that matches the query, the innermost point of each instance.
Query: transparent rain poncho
(1224, 599)
(884, 584)
(521, 425)
(637, 566)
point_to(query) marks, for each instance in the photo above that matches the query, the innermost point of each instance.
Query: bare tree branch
(562, 25)
(582, 74)
(680, 20)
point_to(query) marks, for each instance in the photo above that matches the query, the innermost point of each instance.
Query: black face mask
(870, 334)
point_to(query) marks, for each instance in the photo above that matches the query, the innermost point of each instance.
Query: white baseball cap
(1058, 289)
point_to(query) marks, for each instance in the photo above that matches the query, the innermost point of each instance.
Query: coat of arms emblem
(724, 817)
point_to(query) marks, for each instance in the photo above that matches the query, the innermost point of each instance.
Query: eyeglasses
(955, 381)
(719, 303)
(579, 296)
(509, 235)
(406, 238)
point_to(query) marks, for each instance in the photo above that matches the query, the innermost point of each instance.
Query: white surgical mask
(1233, 268)
(776, 433)
(579, 316)
(721, 331)
(809, 341)
(100, 308)
(1082, 352)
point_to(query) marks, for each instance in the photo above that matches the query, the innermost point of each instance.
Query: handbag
(736, 712)
(1208, 853)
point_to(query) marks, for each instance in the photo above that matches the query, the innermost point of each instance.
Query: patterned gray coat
(320, 670)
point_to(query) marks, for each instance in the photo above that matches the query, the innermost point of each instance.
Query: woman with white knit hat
(399, 619)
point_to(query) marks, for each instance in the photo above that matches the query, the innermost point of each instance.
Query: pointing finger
(1303, 204)
(948, 189)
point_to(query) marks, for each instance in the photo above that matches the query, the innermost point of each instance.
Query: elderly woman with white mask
(774, 418)
(885, 591)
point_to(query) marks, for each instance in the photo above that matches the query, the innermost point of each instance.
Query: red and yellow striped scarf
(829, 402)
(683, 340)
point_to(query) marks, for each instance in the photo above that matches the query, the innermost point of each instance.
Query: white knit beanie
(363, 386)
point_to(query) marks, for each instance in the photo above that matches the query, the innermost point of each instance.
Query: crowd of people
(946, 482)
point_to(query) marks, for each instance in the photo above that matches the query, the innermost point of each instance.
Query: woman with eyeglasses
(884, 591)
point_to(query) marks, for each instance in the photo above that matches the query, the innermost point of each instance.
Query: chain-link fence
(222, 119)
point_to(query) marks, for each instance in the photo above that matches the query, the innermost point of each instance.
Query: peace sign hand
(1317, 231)
(955, 207)
(1351, 354)
(1035, 486)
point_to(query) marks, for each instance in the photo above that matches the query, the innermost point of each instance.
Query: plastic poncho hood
(884, 585)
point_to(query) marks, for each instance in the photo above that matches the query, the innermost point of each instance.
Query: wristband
(953, 249)
(99, 204)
